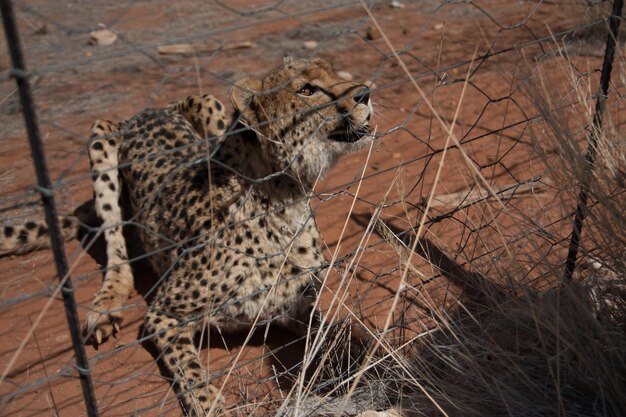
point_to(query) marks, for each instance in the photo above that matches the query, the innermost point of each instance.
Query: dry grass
(516, 350)
(533, 355)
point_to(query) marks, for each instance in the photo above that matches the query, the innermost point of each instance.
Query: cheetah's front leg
(175, 342)
(105, 316)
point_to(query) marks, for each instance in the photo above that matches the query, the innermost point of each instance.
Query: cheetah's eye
(307, 90)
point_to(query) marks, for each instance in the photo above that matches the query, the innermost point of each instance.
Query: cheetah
(222, 205)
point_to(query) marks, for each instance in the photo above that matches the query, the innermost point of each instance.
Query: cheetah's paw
(205, 401)
(104, 319)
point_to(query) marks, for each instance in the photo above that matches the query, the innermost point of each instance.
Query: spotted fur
(24, 237)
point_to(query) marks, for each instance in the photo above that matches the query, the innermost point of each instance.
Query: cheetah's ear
(242, 94)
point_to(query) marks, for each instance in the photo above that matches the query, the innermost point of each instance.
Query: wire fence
(489, 154)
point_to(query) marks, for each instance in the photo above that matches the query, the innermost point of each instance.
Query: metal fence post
(590, 155)
(47, 197)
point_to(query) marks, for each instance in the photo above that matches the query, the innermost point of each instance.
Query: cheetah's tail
(16, 239)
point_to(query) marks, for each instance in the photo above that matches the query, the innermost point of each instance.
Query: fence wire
(482, 112)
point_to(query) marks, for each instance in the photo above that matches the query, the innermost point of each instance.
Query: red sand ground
(79, 83)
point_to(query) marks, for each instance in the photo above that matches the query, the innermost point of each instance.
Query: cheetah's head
(305, 116)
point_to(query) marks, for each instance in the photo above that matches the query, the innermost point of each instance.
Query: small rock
(372, 33)
(240, 45)
(189, 49)
(438, 26)
(178, 48)
(310, 44)
(345, 75)
(392, 412)
(103, 37)
(396, 4)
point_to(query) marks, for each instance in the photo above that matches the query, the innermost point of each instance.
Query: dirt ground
(505, 46)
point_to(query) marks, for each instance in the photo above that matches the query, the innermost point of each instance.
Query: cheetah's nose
(362, 96)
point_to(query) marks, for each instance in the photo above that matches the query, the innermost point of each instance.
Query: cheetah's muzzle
(345, 133)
